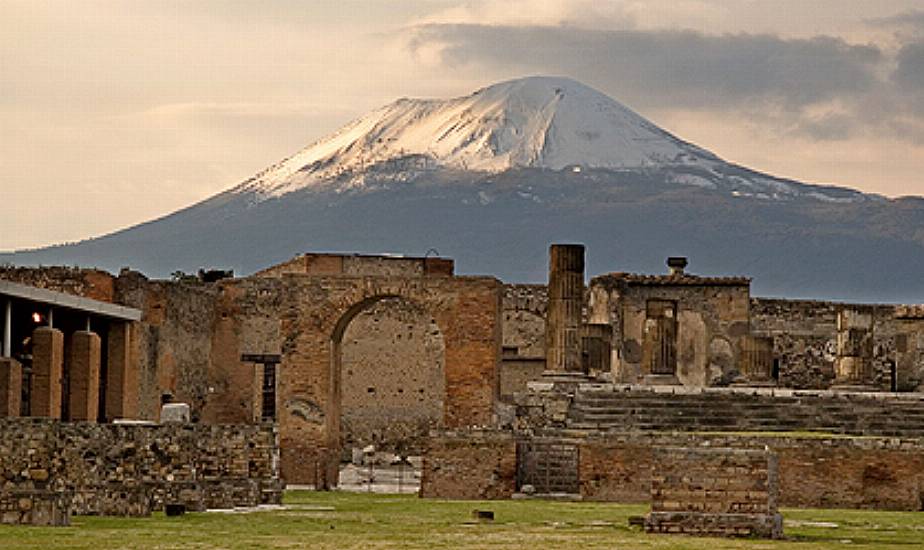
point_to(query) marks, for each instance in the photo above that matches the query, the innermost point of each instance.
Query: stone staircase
(638, 408)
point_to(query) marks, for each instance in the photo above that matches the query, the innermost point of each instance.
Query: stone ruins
(578, 388)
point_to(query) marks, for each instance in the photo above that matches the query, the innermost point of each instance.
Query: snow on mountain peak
(541, 122)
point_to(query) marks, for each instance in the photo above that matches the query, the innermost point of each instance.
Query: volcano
(492, 178)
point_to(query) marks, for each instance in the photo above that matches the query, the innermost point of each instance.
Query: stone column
(853, 364)
(755, 361)
(121, 376)
(566, 300)
(47, 369)
(83, 375)
(10, 386)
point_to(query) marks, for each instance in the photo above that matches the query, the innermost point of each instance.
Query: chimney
(676, 264)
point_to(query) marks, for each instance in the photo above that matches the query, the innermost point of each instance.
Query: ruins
(571, 388)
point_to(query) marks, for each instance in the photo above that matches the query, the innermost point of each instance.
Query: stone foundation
(34, 507)
(130, 470)
(714, 492)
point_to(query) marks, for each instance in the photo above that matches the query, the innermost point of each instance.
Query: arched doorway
(389, 358)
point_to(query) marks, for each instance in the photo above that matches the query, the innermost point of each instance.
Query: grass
(348, 520)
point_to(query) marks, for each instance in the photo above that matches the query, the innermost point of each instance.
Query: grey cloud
(911, 18)
(666, 67)
(909, 72)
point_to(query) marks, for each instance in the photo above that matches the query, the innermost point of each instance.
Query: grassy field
(346, 520)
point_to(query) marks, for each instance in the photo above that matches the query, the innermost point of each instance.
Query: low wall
(124, 469)
(469, 465)
(815, 471)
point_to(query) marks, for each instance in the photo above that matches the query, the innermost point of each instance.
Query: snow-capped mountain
(536, 122)
(492, 178)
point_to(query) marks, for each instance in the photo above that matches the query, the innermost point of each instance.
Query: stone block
(47, 370)
(175, 413)
(10, 386)
(83, 375)
(714, 492)
(121, 373)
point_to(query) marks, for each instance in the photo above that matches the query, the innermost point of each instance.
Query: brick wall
(122, 469)
(814, 471)
(714, 491)
(470, 465)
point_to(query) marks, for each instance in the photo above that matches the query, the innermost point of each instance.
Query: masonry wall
(470, 465)
(523, 329)
(393, 377)
(805, 342)
(711, 319)
(815, 471)
(87, 283)
(129, 469)
(714, 492)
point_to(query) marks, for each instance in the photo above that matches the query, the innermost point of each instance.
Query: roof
(69, 301)
(671, 280)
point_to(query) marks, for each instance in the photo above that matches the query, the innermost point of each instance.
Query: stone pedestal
(10, 386)
(83, 375)
(121, 377)
(565, 308)
(47, 369)
(715, 492)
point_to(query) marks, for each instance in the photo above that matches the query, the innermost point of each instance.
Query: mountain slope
(492, 178)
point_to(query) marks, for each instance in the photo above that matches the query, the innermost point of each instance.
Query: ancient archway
(467, 312)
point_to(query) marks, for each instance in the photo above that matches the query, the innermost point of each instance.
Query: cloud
(909, 72)
(822, 88)
(910, 18)
(665, 67)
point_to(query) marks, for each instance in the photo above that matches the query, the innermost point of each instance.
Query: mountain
(492, 178)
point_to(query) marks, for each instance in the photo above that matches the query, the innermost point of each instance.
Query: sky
(116, 113)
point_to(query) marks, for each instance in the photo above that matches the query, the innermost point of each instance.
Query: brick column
(10, 386)
(47, 369)
(83, 375)
(566, 301)
(121, 375)
(853, 365)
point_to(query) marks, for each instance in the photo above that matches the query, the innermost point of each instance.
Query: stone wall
(124, 469)
(815, 471)
(470, 465)
(714, 492)
(86, 283)
(709, 318)
(393, 377)
(523, 329)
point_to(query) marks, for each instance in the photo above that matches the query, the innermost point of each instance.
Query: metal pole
(8, 329)
(88, 324)
(51, 317)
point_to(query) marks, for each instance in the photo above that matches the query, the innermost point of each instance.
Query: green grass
(343, 520)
